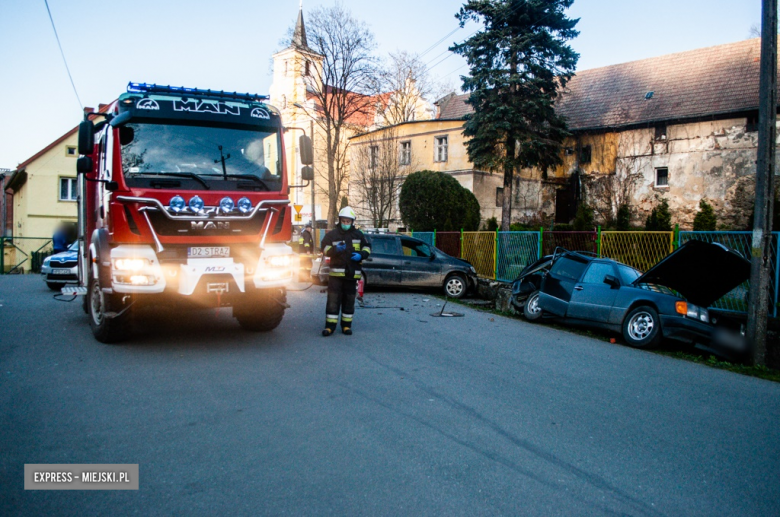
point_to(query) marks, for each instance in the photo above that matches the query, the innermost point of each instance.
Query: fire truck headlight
(129, 264)
(226, 204)
(244, 205)
(177, 204)
(141, 280)
(280, 260)
(196, 204)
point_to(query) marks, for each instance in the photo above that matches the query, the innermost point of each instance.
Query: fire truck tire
(261, 312)
(106, 330)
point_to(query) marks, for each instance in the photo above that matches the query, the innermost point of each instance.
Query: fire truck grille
(167, 227)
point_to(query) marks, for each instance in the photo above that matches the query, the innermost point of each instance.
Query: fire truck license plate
(205, 252)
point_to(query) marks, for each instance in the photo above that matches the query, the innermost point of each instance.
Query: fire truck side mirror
(307, 153)
(86, 137)
(84, 165)
(307, 173)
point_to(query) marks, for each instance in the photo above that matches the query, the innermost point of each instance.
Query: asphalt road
(413, 415)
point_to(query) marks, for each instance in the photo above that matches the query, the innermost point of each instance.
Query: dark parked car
(397, 260)
(667, 301)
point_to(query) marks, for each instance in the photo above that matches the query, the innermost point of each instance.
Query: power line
(63, 55)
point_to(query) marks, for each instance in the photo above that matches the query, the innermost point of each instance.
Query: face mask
(346, 227)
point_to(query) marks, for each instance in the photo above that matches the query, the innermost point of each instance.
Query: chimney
(89, 110)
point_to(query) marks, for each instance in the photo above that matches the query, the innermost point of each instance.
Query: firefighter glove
(357, 257)
(341, 248)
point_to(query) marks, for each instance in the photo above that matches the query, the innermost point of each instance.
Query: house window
(440, 149)
(585, 154)
(660, 132)
(374, 159)
(568, 151)
(752, 123)
(499, 196)
(70, 150)
(662, 177)
(285, 67)
(68, 189)
(306, 67)
(406, 153)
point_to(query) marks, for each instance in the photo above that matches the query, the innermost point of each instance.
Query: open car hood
(700, 271)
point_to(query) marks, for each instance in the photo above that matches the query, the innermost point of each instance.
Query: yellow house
(436, 145)
(44, 196)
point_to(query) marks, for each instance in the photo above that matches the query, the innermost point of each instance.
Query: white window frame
(72, 188)
(405, 157)
(655, 179)
(440, 147)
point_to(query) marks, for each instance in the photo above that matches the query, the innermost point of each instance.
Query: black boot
(347, 331)
(327, 332)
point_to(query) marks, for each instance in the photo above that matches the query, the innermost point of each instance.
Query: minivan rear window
(569, 268)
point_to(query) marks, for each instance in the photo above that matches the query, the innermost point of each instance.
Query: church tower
(295, 68)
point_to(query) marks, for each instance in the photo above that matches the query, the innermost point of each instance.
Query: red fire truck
(183, 199)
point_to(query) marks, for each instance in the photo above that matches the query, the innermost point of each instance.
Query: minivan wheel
(455, 286)
(531, 309)
(642, 328)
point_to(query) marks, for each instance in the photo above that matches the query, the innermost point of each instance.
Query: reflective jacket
(341, 263)
(306, 242)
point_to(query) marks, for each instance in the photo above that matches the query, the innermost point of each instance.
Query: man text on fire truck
(347, 247)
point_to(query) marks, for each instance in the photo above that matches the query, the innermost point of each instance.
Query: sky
(227, 45)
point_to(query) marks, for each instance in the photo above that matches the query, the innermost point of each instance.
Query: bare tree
(409, 85)
(379, 165)
(343, 88)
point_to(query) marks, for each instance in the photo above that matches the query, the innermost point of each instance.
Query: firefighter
(347, 247)
(306, 241)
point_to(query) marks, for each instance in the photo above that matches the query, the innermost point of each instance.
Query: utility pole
(765, 170)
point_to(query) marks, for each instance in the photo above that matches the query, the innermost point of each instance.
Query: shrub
(705, 220)
(491, 225)
(432, 200)
(584, 218)
(660, 219)
(623, 219)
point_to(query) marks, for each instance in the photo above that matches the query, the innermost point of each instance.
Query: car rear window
(384, 245)
(570, 268)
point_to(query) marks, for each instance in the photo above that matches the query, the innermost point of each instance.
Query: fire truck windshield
(205, 154)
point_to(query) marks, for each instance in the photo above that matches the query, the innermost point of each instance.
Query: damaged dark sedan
(668, 301)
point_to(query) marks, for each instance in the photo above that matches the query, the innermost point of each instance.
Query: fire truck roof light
(181, 90)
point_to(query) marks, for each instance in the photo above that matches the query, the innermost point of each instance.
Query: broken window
(585, 153)
(440, 149)
(662, 177)
(660, 132)
(406, 153)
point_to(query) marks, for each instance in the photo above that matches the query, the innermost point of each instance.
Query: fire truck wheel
(260, 312)
(105, 330)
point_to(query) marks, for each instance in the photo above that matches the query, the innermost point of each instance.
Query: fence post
(2, 254)
(777, 271)
(541, 240)
(461, 243)
(675, 238)
(434, 237)
(598, 241)
(495, 258)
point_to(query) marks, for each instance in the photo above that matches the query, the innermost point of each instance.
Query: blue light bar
(181, 90)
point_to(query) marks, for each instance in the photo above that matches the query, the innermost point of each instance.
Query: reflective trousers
(341, 298)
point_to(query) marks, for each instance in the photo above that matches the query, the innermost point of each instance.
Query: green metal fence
(23, 254)
(515, 250)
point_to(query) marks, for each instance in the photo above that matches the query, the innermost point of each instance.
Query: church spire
(299, 36)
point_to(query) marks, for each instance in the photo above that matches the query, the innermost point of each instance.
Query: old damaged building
(681, 126)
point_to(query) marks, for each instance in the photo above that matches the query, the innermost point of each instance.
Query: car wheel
(642, 328)
(54, 286)
(531, 309)
(455, 286)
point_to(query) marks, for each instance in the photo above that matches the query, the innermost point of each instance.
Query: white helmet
(348, 213)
